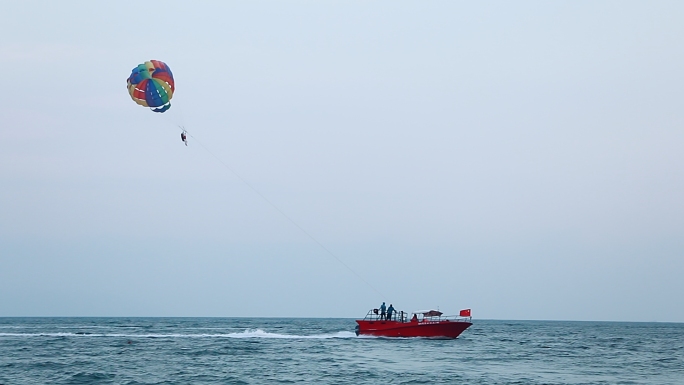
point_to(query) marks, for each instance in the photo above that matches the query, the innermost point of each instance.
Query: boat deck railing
(402, 316)
(375, 315)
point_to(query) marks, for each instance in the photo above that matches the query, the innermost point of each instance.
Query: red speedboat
(427, 323)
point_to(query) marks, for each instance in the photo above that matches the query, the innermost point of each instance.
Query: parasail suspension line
(303, 230)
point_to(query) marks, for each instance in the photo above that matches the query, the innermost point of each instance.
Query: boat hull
(430, 329)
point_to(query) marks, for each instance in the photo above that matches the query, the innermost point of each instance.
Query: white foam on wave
(249, 333)
(258, 333)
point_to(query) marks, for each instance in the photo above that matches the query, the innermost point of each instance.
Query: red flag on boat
(464, 313)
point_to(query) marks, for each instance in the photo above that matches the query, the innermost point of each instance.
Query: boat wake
(248, 333)
(258, 333)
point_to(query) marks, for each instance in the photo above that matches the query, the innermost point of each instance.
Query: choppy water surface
(326, 351)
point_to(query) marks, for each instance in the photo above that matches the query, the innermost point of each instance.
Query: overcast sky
(521, 159)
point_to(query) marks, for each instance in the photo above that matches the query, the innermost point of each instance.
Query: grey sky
(524, 160)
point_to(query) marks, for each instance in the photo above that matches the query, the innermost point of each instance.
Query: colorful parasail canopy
(151, 85)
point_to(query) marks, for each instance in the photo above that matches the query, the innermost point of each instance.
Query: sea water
(326, 351)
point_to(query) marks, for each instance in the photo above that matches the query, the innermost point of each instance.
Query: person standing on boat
(383, 308)
(390, 310)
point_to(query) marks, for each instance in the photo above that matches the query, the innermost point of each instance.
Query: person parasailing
(184, 137)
